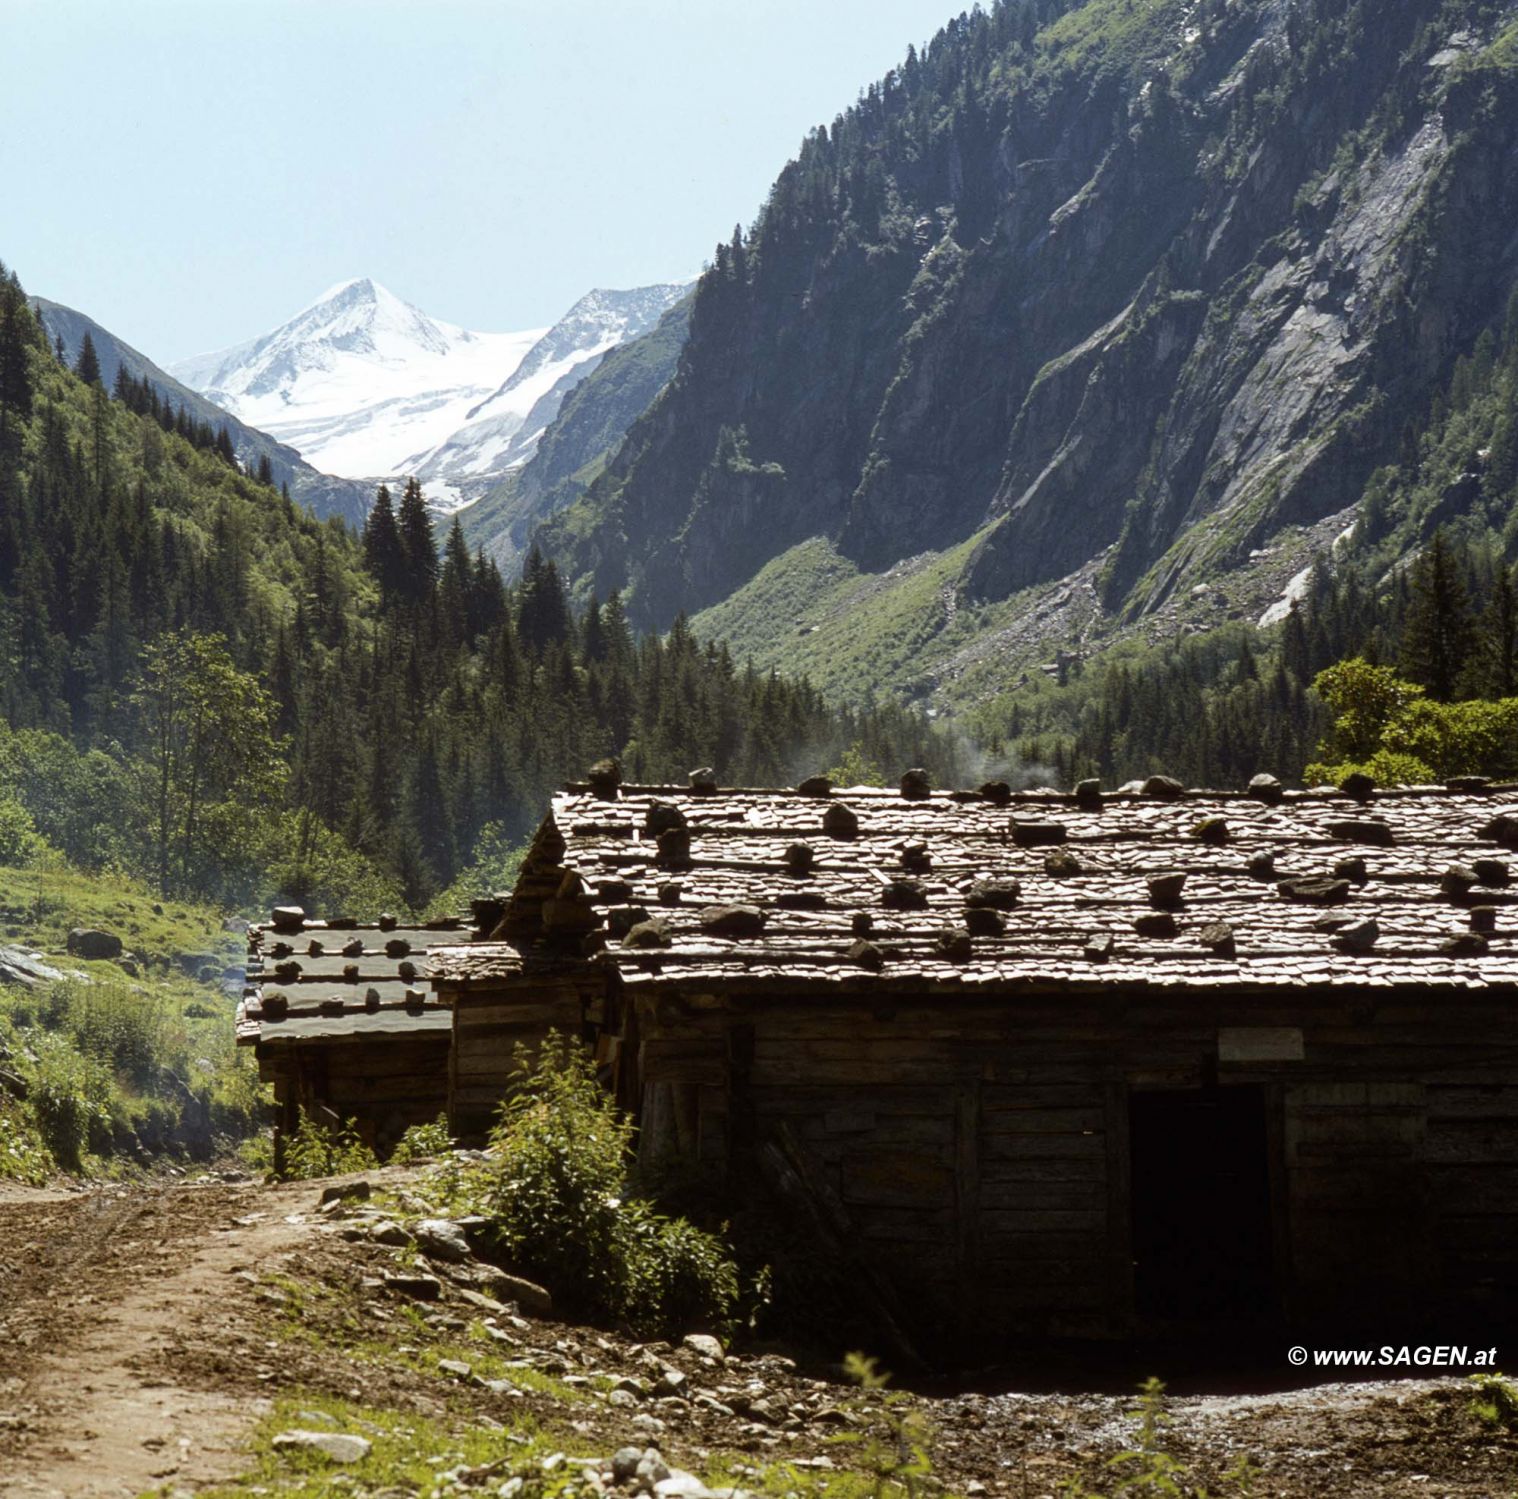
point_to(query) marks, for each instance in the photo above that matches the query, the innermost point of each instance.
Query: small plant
(313, 1151)
(423, 1141)
(1495, 1400)
(899, 1458)
(1149, 1472)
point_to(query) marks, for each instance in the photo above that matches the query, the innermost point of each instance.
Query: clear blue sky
(191, 172)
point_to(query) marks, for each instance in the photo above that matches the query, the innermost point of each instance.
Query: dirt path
(144, 1330)
(97, 1289)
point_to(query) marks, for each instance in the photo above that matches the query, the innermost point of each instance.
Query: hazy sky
(191, 172)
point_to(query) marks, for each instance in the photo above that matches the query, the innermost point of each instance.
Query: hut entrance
(1202, 1242)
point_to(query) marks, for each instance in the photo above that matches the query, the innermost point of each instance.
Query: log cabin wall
(980, 1152)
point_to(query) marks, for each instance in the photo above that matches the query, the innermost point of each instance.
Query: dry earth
(144, 1330)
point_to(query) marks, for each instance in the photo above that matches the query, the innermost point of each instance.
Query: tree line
(203, 684)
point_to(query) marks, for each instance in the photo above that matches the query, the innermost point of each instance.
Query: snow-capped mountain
(503, 430)
(364, 384)
(360, 382)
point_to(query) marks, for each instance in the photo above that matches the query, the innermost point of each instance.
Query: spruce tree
(1498, 644)
(418, 545)
(542, 609)
(87, 367)
(383, 556)
(1437, 634)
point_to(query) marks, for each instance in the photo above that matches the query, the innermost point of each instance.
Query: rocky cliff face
(1141, 281)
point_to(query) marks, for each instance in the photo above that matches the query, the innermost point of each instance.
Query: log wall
(383, 1085)
(980, 1148)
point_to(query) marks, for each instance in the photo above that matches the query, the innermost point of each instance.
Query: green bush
(19, 841)
(313, 1152)
(24, 1155)
(70, 1097)
(422, 1141)
(557, 1185)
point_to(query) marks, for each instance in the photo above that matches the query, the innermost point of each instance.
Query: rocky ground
(150, 1335)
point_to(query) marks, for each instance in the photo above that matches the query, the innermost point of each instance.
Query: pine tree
(87, 367)
(542, 609)
(382, 547)
(418, 545)
(1498, 644)
(1437, 635)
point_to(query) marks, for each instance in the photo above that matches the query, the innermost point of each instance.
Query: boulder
(1358, 937)
(1218, 937)
(418, 1287)
(655, 933)
(442, 1239)
(916, 786)
(1315, 890)
(1165, 889)
(1099, 947)
(336, 1446)
(840, 821)
(91, 942)
(26, 969)
(867, 955)
(954, 944)
(904, 895)
(995, 895)
(533, 1299)
(1063, 865)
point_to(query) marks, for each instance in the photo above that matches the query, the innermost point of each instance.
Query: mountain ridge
(1120, 292)
(322, 494)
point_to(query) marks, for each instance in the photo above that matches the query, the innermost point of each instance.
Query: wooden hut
(1084, 1064)
(344, 1024)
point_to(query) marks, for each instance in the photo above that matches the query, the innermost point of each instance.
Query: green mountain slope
(1125, 300)
(321, 494)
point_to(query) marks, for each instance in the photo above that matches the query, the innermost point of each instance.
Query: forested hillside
(203, 685)
(321, 494)
(1118, 300)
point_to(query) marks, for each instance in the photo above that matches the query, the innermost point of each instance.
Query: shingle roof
(1039, 889)
(325, 980)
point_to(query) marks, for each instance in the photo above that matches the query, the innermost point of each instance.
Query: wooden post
(967, 1202)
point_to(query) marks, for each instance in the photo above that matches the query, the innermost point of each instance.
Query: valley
(967, 754)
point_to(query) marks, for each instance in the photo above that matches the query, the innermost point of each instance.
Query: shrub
(313, 1151)
(422, 1141)
(70, 1100)
(24, 1156)
(1496, 1400)
(557, 1185)
(19, 842)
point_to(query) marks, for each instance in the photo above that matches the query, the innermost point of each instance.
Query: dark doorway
(1202, 1242)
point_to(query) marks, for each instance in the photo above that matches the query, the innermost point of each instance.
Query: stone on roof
(1157, 886)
